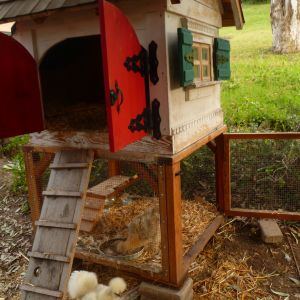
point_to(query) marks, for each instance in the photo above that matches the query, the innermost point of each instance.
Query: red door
(124, 81)
(20, 102)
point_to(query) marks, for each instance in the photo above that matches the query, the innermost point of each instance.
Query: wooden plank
(212, 146)
(271, 135)
(56, 242)
(62, 194)
(163, 221)
(34, 192)
(46, 223)
(92, 215)
(226, 175)
(174, 225)
(98, 141)
(43, 164)
(113, 167)
(264, 214)
(38, 290)
(134, 269)
(86, 226)
(111, 186)
(93, 203)
(192, 148)
(237, 13)
(49, 256)
(69, 166)
(220, 175)
(202, 241)
(198, 11)
(70, 251)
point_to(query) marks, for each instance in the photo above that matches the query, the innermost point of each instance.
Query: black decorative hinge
(156, 119)
(141, 122)
(137, 63)
(153, 63)
(114, 96)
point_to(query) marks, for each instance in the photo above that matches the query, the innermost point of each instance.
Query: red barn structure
(125, 80)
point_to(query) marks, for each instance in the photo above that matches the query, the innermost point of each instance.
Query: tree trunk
(285, 15)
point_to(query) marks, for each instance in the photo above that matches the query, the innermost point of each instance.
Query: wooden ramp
(54, 245)
(98, 194)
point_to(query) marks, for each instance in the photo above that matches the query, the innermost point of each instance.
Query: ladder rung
(62, 194)
(42, 291)
(69, 166)
(45, 223)
(49, 256)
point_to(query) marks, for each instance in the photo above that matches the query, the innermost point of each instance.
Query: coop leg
(33, 183)
(219, 167)
(174, 225)
(113, 168)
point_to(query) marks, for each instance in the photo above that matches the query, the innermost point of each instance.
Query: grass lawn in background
(264, 90)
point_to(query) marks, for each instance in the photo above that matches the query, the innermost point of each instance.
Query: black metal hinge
(148, 120)
(153, 63)
(137, 63)
(141, 122)
(156, 119)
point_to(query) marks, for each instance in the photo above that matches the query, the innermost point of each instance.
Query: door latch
(115, 95)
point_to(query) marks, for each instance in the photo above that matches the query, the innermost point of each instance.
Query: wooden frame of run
(224, 179)
(174, 265)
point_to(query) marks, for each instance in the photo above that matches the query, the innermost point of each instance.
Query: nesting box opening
(72, 83)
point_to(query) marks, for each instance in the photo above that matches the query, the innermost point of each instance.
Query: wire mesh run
(198, 193)
(124, 210)
(265, 174)
(198, 175)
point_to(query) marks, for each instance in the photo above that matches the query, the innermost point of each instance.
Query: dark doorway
(73, 86)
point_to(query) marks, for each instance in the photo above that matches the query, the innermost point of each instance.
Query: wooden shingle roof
(12, 10)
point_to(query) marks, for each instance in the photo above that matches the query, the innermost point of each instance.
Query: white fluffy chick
(116, 286)
(81, 283)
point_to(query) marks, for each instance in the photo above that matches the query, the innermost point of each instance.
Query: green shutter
(185, 49)
(221, 59)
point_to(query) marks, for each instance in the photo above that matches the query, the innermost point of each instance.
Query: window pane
(205, 71)
(195, 53)
(197, 71)
(204, 53)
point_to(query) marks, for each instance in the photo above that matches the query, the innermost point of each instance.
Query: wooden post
(174, 225)
(163, 222)
(219, 167)
(113, 167)
(227, 174)
(34, 192)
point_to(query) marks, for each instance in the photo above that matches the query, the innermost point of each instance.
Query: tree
(285, 16)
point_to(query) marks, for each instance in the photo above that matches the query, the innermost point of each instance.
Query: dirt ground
(236, 264)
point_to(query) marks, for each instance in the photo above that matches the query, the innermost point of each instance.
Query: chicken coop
(115, 95)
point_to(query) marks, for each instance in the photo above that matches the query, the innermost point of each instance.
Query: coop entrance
(73, 85)
(82, 79)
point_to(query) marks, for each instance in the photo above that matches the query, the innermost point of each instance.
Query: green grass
(263, 93)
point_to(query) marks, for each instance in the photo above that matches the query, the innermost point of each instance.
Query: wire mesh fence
(198, 175)
(265, 174)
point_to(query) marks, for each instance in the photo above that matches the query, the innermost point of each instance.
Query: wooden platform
(144, 150)
(54, 245)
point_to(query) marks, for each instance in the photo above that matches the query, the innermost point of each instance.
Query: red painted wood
(20, 101)
(119, 41)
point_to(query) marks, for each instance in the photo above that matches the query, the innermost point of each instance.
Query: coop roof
(12, 10)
